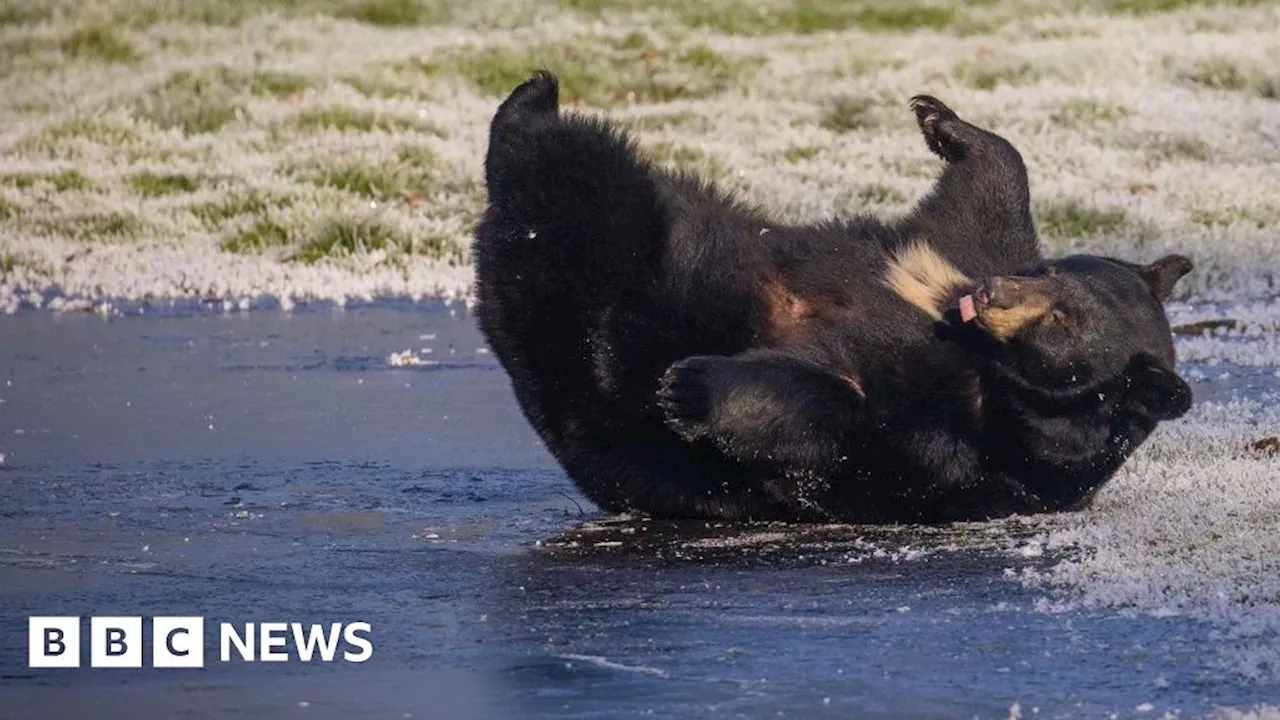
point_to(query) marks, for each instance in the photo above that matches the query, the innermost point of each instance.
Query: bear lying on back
(683, 355)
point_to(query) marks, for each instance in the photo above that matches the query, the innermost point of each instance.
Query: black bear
(684, 356)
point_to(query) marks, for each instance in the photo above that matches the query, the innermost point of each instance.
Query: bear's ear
(1163, 274)
(1157, 389)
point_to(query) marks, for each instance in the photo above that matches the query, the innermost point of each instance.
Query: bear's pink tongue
(967, 312)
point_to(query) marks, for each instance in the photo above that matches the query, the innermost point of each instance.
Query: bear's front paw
(684, 395)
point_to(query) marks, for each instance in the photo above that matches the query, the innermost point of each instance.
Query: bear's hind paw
(940, 126)
(684, 396)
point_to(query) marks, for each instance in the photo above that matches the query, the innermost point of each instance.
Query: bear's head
(1080, 323)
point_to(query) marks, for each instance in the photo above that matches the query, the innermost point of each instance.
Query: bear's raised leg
(764, 408)
(979, 212)
(574, 222)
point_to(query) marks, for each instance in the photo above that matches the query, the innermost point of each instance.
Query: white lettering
(352, 638)
(316, 637)
(243, 645)
(273, 636)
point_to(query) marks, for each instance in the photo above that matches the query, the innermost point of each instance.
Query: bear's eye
(1055, 317)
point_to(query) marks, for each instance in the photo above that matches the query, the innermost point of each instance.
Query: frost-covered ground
(332, 148)
(1191, 524)
(293, 150)
(1191, 527)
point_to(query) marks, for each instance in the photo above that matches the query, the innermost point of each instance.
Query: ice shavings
(607, 664)
(410, 358)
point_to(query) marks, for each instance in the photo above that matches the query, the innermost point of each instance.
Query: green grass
(151, 184)
(262, 235)
(636, 40)
(468, 195)
(335, 238)
(395, 13)
(200, 12)
(206, 100)
(686, 119)
(9, 262)
(1072, 219)
(62, 181)
(417, 157)
(1228, 74)
(28, 53)
(143, 14)
(412, 172)
(1148, 7)
(1179, 148)
(863, 66)
(197, 119)
(196, 102)
(102, 133)
(269, 83)
(718, 69)
(24, 45)
(599, 73)
(846, 113)
(680, 156)
(991, 72)
(24, 12)
(252, 202)
(804, 17)
(54, 139)
(733, 17)
(898, 17)
(379, 87)
(115, 224)
(94, 226)
(1230, 215)
(9, 209)
(1060, 32)
(379, 182)
(99, 42)
(1082, 113)
(685, 157)
(800, 153)
(877, 194)
(341, 237)
(347, 119)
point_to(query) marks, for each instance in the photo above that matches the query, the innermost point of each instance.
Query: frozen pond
(279, 467)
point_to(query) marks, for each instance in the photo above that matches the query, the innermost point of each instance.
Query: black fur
(683, 355)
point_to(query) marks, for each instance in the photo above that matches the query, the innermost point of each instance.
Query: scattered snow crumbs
(409, 358)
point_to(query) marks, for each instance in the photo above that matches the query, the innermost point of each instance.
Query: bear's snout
(1007, 292)
(1006, 304)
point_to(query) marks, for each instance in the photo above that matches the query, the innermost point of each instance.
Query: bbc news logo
(178, 642)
